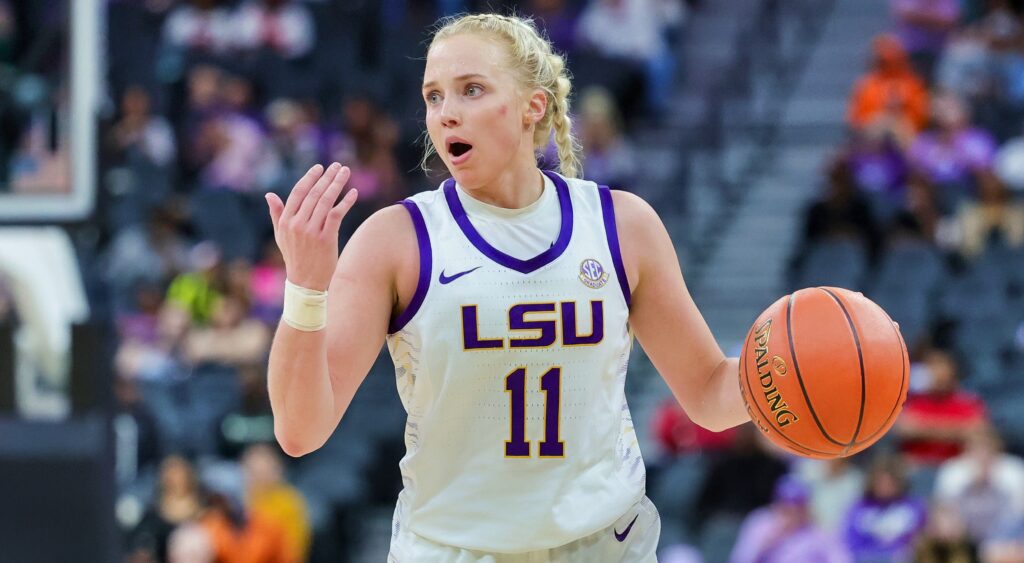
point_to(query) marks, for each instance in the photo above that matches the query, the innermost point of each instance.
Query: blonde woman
(508, 298)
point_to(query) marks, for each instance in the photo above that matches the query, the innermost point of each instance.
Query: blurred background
(876, 145)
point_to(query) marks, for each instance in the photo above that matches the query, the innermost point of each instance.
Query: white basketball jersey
(512, 372)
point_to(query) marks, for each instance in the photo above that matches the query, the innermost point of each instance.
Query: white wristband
(304, 309)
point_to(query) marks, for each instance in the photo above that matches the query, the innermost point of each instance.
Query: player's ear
(536, 106)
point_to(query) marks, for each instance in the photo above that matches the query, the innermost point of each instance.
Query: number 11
(551, 384)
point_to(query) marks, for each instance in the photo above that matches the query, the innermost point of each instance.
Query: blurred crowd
(212, 103)
(922, 209)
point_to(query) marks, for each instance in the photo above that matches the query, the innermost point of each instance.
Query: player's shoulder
(632, 212)
(387, 237)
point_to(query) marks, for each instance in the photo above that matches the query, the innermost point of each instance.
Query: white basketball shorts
(633, 538)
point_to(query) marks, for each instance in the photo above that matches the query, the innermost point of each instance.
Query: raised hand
(306, 228)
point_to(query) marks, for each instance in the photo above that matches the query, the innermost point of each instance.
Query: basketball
(824, 372)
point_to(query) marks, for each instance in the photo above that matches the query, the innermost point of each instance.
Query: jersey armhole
(608, 213)
(423, 243)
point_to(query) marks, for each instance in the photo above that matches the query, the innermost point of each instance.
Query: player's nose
(449, 114)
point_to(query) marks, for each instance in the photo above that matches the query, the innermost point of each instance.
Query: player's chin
(465, 176)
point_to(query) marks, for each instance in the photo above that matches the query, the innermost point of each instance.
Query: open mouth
(458, 149)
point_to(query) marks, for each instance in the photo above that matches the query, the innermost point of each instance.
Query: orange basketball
(824, 372)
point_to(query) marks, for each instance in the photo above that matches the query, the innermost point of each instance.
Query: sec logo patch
(592, 274)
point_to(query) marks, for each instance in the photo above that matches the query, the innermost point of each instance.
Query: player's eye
(432, 98)
(474, 90)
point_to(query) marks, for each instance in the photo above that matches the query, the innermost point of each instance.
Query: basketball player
(508, 298)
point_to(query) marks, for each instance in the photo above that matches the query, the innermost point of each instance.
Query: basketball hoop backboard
(48, 143)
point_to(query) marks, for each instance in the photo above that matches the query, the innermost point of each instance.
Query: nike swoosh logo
(449, 279)
(622, 537)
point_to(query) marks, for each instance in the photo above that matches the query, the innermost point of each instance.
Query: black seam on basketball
(860, 357)
(896, 405)
(799, 378)
(766, 418)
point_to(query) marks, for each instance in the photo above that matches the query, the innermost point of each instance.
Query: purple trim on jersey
(608, 211)
(511, 262)
(426, 260)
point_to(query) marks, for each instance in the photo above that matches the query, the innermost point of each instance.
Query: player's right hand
(306, 228)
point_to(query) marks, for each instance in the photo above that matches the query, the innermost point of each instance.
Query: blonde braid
(568, 146)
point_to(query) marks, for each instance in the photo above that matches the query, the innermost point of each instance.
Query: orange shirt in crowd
(260, 541)
(284, 505)
(891, 89)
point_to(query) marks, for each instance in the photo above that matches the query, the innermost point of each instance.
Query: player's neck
(516, 188)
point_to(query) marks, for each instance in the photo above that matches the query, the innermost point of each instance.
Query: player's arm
(667, 323)
(313, 375)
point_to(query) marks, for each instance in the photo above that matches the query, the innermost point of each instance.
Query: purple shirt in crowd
(917, 38)
(760, 542)
(952, 160)
(877, 531)
(883, 171)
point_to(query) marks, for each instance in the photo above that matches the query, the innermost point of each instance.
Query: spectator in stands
(139, 133)
(879, 170)
(884, 524)
(985, 484)
(232, 145)
(890, 96)
(971, 63)
(195, 293)
(944, 539)
(678, 435)
(203, 103)
(366, 143)
(956, 156)
(923, 215)
(993, 212)
(843, 213)
(842, 210)
(221, 352)
(784, 532)
(608, 156)
(189, 543)
(923, 26)
(740, 480)
(283, 27)
(201, 27)
(242, 536)
(231, 338)
(634, 32)
(296, 137)
(934, 423)
(178, 500)
(144, 351)
(152, 253)
(269, 495)
(835, 485)
(558, 21)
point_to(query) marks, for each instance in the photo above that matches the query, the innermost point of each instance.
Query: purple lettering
(517, 321)
(470, 337)
(570, 330)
